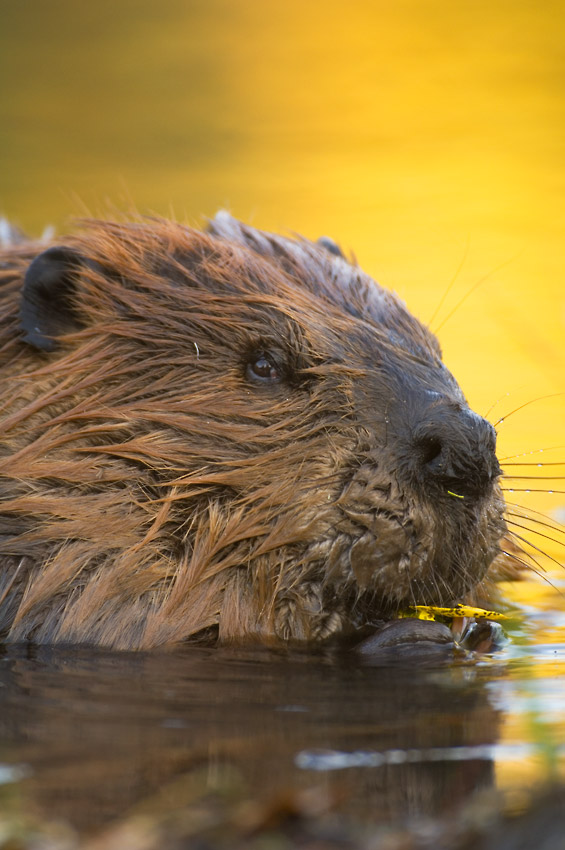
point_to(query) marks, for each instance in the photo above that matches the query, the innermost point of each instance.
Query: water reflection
(102, 732)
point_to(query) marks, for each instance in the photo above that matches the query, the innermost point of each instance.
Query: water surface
(91, 737)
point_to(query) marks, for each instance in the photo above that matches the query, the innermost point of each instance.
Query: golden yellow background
(426, 137)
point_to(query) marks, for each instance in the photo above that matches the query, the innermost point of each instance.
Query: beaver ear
(331, 246)
(46, 309)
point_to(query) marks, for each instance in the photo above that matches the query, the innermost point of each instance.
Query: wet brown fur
(151, 491)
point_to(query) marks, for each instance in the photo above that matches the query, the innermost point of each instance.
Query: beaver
(226, 435)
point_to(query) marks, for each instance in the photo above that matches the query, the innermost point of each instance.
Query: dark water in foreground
(89, 737)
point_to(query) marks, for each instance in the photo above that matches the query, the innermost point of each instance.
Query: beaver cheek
(370, 556)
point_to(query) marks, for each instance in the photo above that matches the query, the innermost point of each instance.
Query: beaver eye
(262, 368)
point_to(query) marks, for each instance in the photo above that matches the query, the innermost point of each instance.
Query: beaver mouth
(388, 558)
(385, 553)
(412, 556)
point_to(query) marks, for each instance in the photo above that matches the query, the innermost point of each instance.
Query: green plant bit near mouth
(434, 612)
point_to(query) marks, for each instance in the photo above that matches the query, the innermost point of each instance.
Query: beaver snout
(454, 451)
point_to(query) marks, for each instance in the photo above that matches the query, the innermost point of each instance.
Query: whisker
(539, 533)
(472, 289)
(531, 490)
(450, 284)
(534, 463)
(534, 452)
(535, 477)
(527, 564)
(530, 568)
(537, 549)
(558, 525)
(559, 529)
(526, 404)
(493, 405)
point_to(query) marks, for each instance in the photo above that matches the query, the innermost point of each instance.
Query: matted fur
(152, 490)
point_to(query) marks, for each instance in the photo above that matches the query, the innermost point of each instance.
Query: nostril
(429, 448)
(453, 450)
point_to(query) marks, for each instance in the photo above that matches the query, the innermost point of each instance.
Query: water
(91, 737)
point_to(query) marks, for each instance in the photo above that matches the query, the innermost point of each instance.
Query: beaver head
(226, 434)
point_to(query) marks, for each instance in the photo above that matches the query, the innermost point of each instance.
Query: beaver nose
(455, 451)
